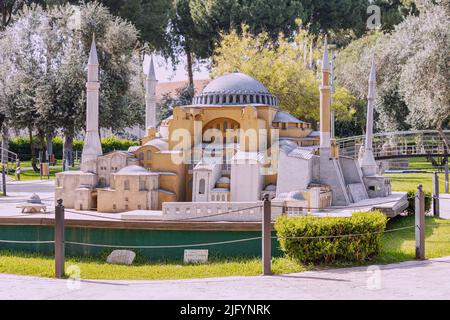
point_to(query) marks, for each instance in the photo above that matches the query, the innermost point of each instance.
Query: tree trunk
(49, 138)
(5, 144)
(67, 149)
(42, 145)
(6, 15)
(189, 65)
(33, 151)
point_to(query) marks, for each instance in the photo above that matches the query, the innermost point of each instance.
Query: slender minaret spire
(92, 147)
(368, 164)
(325, 91)
(150, 96)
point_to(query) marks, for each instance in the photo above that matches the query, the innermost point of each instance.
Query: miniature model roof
(282, 116)
(235, 89)
(291, 149)
(93, 59)
(243, 156)
(207, 163)
(158, 143)
(133, 169)
(151, 70)
(235, 82)
(223, 180)
(115, 152)
(34, 199)
(133, 148)
(221, 190)
(292, 195)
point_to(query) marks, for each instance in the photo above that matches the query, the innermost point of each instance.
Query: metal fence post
(59, 239)
(4, 179)
(436, 194)
(446, 176)
(266, 237)
(420, 223)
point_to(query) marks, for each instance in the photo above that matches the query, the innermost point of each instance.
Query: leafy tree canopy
(282, 68)
(412, 69)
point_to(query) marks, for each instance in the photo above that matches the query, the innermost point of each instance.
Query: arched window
(251, 99)
(126, 185)
(149, 155)
(213, 198)
(238, 98)
(257, 99)
(217, 98)
(263, 99)
(201, 186)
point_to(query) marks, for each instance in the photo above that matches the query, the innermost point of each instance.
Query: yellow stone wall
(242, 117)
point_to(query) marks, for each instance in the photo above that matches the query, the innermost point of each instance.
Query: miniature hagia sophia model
(232, 145)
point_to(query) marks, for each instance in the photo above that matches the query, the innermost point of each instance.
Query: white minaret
(368, 164)
(92, 147)
(150, 96)
(325, 100)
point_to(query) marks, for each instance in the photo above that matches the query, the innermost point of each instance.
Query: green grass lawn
(409, 181)
(32, 175)
(396, 246)
(27, 175)
(419, 163)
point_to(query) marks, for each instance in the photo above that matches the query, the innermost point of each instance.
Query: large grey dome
(235, 82)
(235, 89)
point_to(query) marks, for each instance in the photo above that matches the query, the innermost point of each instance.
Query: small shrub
(328, 250)
(412, 202)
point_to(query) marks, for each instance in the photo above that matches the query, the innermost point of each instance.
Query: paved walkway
(407, 280)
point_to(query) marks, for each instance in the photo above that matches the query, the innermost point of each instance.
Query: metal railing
(397, 144)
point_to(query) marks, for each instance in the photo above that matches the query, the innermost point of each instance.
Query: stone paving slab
(428, 279)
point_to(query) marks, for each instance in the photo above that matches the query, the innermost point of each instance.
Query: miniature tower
(325, 92)
(368, 164)
(92, 147)
(150, 97)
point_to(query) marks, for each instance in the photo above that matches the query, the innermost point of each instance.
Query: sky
(164, 72)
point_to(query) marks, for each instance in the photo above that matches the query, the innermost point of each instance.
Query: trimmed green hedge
(328, 250)
(412, 202)
(21, 146)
